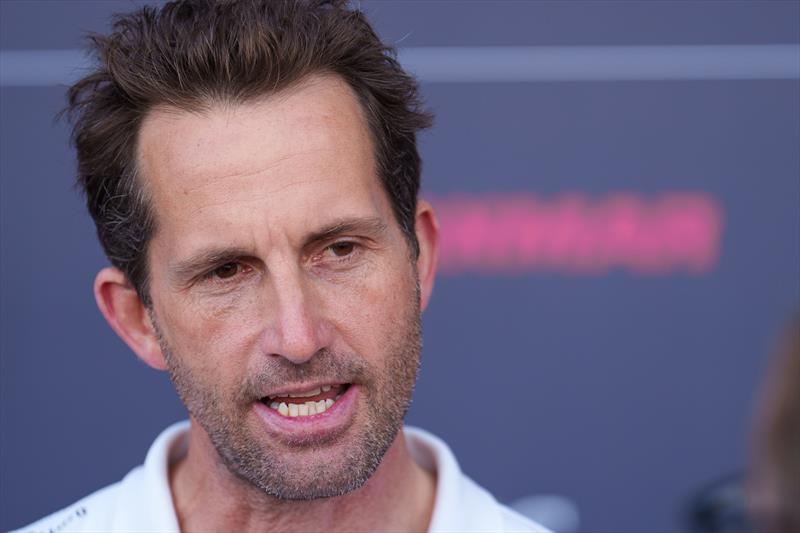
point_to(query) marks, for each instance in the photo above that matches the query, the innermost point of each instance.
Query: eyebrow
(203, 260)
(206, 258)
(373, 227)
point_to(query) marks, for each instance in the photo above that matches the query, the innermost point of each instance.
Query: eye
(226, 271)
(342, 249)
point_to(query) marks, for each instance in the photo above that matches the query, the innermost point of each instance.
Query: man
(252, 171)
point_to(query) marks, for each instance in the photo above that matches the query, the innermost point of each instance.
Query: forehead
(300, 150)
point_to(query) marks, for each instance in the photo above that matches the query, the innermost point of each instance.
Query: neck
(207, 497)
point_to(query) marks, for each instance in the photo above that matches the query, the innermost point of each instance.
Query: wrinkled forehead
(180, 150)
(304, 149)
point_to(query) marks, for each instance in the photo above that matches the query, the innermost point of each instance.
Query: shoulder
(461, 504)
(513, 521)
(480, 504)
(142, 501)
(92, 513)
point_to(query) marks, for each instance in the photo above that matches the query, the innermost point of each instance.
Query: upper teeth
(302, 409)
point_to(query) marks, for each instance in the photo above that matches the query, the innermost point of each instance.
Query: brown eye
(228, 270)
(342, 249)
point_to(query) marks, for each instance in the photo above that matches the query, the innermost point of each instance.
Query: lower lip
(334, 419)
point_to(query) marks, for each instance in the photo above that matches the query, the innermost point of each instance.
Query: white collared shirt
(142, 501)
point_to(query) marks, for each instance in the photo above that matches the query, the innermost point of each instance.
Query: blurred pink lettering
(579, 235)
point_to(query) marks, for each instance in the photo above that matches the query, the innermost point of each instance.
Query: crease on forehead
(253, 198)
(306, 84)
(225, 110)
(332, 110)
(273, 164)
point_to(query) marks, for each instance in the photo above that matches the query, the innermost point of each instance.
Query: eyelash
(211, 274)
(345, 259)
(354, 245)
(241, 266)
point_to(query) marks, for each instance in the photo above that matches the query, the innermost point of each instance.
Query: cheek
(367, 313)
(212, 334)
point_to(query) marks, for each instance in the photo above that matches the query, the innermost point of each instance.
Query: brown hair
(191, 53)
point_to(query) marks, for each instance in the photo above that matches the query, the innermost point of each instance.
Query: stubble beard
(385, 398)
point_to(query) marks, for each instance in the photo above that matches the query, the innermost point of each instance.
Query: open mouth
(306, 403)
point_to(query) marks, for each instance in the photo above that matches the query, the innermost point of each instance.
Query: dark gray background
(623, 393)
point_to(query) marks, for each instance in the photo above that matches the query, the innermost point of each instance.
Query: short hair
(190, 54)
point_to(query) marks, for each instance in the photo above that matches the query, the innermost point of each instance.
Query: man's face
(280, 276)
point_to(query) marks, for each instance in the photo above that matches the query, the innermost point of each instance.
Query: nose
(295, 328)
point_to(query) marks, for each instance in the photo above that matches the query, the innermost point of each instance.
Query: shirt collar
(460, 504)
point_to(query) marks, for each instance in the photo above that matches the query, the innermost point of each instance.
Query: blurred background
(619, 188)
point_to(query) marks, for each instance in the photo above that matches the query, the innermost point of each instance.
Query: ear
(427, 230)
(127, 315)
